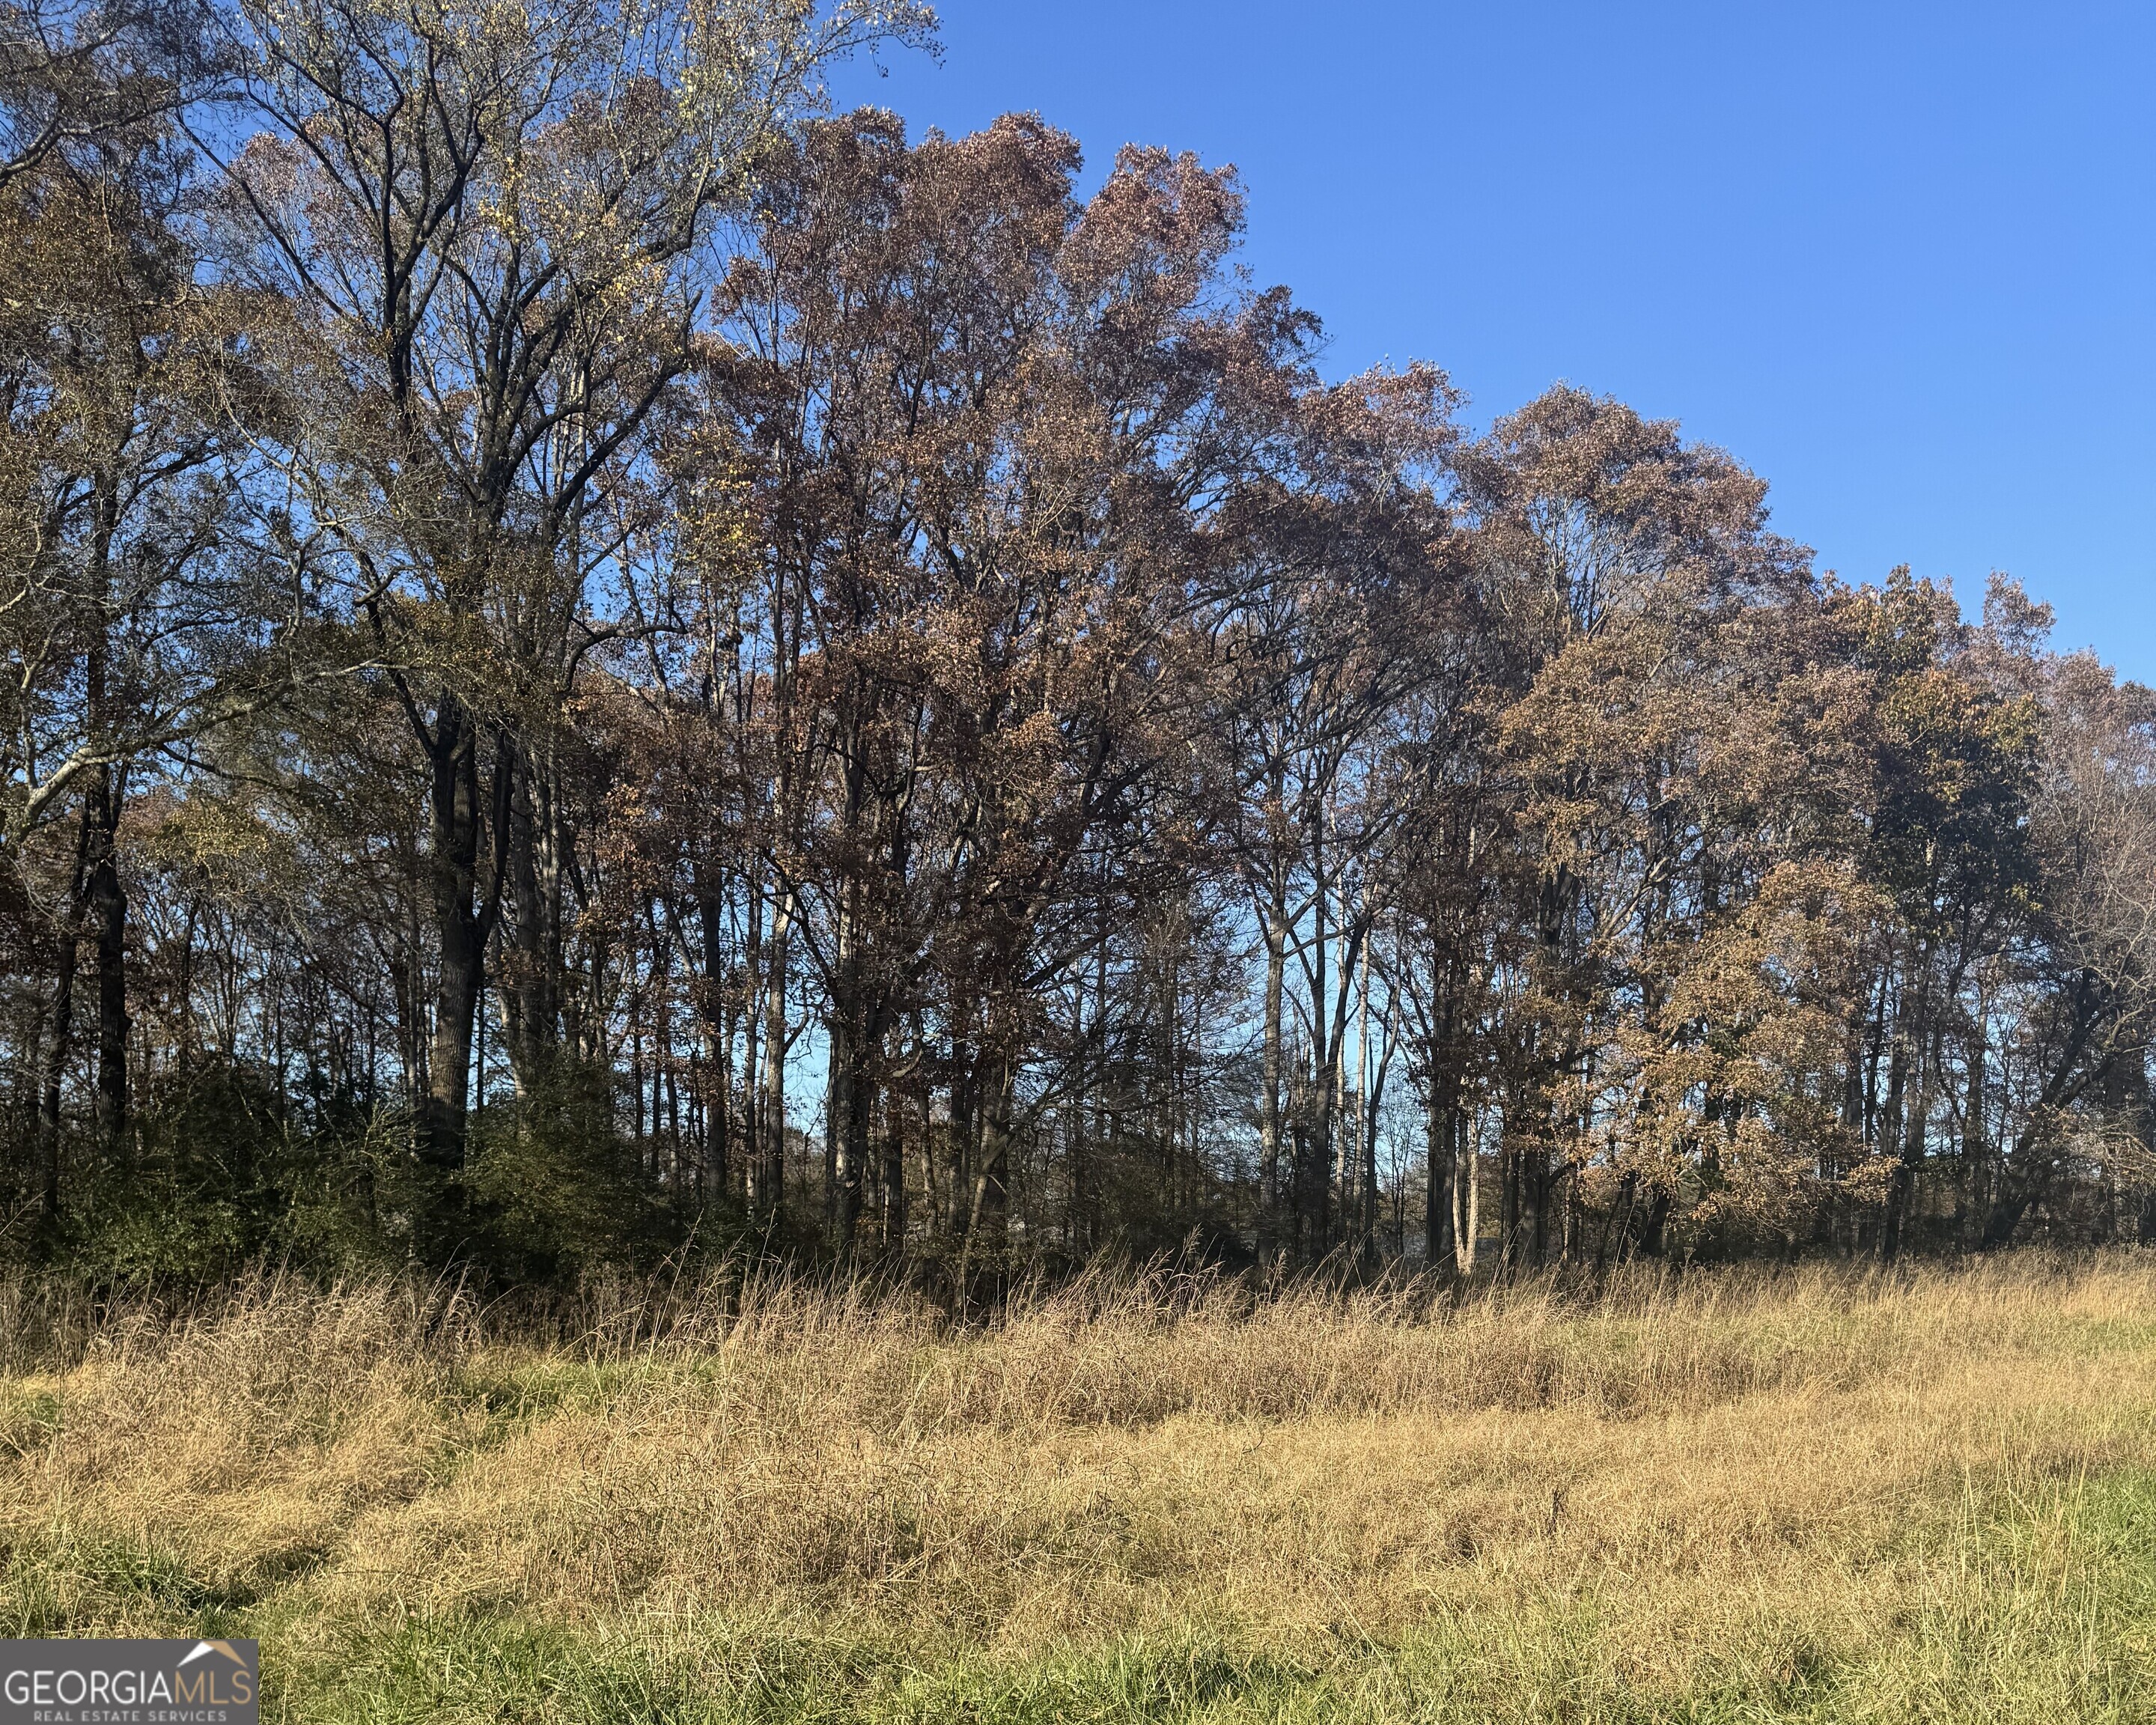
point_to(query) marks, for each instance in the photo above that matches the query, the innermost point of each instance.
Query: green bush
(551, 1190)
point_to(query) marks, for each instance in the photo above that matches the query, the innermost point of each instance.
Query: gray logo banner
(86, 1682)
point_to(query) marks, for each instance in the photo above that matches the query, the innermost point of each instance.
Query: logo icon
(120, 1682)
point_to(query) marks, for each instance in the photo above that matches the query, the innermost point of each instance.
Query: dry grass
(1819, 1495)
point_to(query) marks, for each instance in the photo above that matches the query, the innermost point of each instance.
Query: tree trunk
(894, 1177)
(1270, 1194)
(532, 992)
(108, 906)
(461, 926)
(59, 1044)
(1441, 1241)
(1509, 1207)
(767, 1182)
(100, 833)
(718, 1035)
(851, 1093)
(1975, 1156)
(988, 1220)
(1313, 1171)
(1366, 1125)
(1467, 1184)
(1906, 1123)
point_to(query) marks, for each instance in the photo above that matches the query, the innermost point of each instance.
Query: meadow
(1812, 1494)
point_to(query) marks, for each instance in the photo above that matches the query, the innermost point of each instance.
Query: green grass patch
(2023, 1610)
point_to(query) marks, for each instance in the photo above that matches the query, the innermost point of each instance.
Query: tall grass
(1814, 1493)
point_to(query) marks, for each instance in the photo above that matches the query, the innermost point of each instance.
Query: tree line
(598, 658)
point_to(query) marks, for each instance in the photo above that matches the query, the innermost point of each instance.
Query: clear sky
(1899, 258)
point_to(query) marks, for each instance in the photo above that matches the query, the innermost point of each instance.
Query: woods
(603, 661)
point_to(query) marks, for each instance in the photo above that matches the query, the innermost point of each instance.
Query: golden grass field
(1819, 1495)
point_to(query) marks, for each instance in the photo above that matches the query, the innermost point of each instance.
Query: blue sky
(1899, 259)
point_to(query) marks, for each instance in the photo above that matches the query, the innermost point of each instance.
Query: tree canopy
(600, 660)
